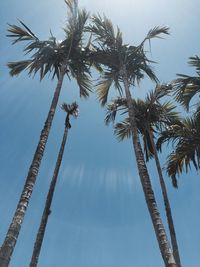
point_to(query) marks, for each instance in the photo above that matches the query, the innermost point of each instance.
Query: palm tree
(71, 110)
(185, 139)
(151, 116)
(124, 65)
(68, 57)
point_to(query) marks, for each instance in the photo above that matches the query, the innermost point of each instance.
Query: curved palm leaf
(186, 87)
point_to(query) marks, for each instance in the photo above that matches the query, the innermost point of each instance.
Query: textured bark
(167, 205)
(47, 211)
(14, 229)
(164, 245)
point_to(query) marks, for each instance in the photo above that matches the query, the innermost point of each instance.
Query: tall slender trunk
(14, 229)
(167, 204)
(165, 249)
(47, 211)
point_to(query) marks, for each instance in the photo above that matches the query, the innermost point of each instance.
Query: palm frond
(156, 32)
(186, 147)
(21, 33)
(185, 88)
(72, 5)
(17, 67)
(103, 87)
(180, 160)
(103, 30)
(195, 62)
(119, 104)
(104, 84)
(84, 83)
(147, 69)
(123, 130)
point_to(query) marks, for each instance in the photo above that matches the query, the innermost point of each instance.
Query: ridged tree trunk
(47, 211)
(167, 205)
(164, 245)
(14, 229)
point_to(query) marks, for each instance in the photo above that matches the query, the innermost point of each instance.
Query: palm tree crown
(113, 54)
(151, 115)
(49, 55)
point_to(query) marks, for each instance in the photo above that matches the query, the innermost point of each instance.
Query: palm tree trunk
(165, 249)
(167, 204)
(14, 229)
(47, 211)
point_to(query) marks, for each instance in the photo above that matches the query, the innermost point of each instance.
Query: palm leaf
(17, 67)
(123, 130)
(156, 32)
(119, 104)
(103, 87)
(21, 34)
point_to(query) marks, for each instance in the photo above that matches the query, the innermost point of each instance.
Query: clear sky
(99, 217)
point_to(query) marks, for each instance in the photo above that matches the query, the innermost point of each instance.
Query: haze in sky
(99, 217)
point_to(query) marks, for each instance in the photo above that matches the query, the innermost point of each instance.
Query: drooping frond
(123, 130)
(180, 160)
(119, 104)
(147, 69)
(108, 78)
(17, 67)
(84, 82)
(186, 87)
(103, 89)
(186, 147)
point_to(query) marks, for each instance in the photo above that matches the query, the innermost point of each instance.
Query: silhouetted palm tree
(68, 57)
(124, 65)
(71, 110)
(152, 116)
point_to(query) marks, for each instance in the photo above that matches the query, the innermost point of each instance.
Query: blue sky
(99, 217)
